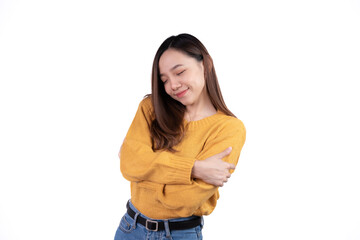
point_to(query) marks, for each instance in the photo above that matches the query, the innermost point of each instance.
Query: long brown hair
(167, 128)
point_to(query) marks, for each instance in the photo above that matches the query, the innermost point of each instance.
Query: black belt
(154, 225)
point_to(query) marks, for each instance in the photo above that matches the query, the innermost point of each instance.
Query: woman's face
(183, 77)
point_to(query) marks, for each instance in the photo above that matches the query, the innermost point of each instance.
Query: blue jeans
(130, 230)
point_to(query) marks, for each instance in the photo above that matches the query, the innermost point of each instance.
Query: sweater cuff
(182, 170)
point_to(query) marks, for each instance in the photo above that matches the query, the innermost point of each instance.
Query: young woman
(182, 145)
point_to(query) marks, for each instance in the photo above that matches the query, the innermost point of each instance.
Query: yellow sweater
(161, 183)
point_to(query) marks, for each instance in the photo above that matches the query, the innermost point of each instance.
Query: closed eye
(180, 72)
(163, 79)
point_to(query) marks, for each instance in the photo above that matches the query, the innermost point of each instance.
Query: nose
(174, 84)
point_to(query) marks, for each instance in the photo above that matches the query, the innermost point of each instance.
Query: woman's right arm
(138, 161)
(189, 199)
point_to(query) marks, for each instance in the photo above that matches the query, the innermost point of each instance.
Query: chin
(186, 102)
(182, 101)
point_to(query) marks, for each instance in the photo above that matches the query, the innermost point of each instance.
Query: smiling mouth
(181, 94)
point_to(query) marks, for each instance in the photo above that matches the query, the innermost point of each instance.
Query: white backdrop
(73, 72)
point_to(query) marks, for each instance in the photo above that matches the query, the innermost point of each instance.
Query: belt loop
(167, 229)
(135, 219)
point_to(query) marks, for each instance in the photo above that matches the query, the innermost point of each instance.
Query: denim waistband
(161, 220)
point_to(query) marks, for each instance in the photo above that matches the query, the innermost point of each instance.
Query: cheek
(199, 83)
(167, 89)
(198, 79)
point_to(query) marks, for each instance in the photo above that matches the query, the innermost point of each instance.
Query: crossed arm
(182, 181)
(138, 161)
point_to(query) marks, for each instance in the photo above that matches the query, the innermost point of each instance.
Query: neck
(201, 109)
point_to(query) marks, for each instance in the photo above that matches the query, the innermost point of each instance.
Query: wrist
(195, 173)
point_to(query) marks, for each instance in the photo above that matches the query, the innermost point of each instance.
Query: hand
(213, 170)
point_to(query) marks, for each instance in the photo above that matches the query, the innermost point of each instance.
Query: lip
(181, 94)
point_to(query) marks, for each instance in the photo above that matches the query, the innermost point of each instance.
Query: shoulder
(232, 130)
(145, 109)
(146, 104)
(230, 123)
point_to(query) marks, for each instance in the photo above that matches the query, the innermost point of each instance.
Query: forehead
(171, 57)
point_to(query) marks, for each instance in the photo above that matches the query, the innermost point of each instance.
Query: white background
(73, 72)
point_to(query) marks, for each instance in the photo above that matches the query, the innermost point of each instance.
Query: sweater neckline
(204, 121)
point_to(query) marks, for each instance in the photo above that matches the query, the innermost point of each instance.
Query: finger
(225, 152)
(231, 166)
(228, 175)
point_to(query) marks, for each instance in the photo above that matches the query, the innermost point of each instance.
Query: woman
(182, 145)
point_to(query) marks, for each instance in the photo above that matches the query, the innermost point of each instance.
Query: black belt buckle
(150, 221)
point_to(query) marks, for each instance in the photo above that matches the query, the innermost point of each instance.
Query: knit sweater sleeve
(138, 161)
(189, 198)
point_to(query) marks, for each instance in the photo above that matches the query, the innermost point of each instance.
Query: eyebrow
(173, 68)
